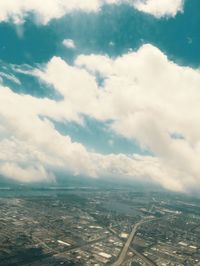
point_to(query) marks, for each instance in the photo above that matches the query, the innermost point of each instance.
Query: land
(98, 226)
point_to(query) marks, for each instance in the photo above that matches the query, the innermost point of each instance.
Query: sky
(100, 88)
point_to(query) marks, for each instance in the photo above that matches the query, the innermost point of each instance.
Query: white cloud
(149, 99)
(44, 11)
(32, 149)
(160, 8)
(29, 142)
(69, 43)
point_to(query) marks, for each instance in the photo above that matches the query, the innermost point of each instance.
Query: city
(94, 226)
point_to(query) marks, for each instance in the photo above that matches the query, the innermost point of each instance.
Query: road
(80, 246)
(124, 251)
(143, 258)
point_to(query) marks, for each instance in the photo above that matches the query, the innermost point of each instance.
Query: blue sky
(124, 26)
(100, 89)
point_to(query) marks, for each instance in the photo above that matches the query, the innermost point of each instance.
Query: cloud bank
(148, 98)
(44, 11)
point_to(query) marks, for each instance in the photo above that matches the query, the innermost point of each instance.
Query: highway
(124, 251)
(143, 258)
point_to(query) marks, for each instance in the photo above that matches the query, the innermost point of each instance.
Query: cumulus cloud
(145, 96)
(69, 43)
(160, 8)
(30, 144)
(149, 99)
(44, 11)
(33, 150)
